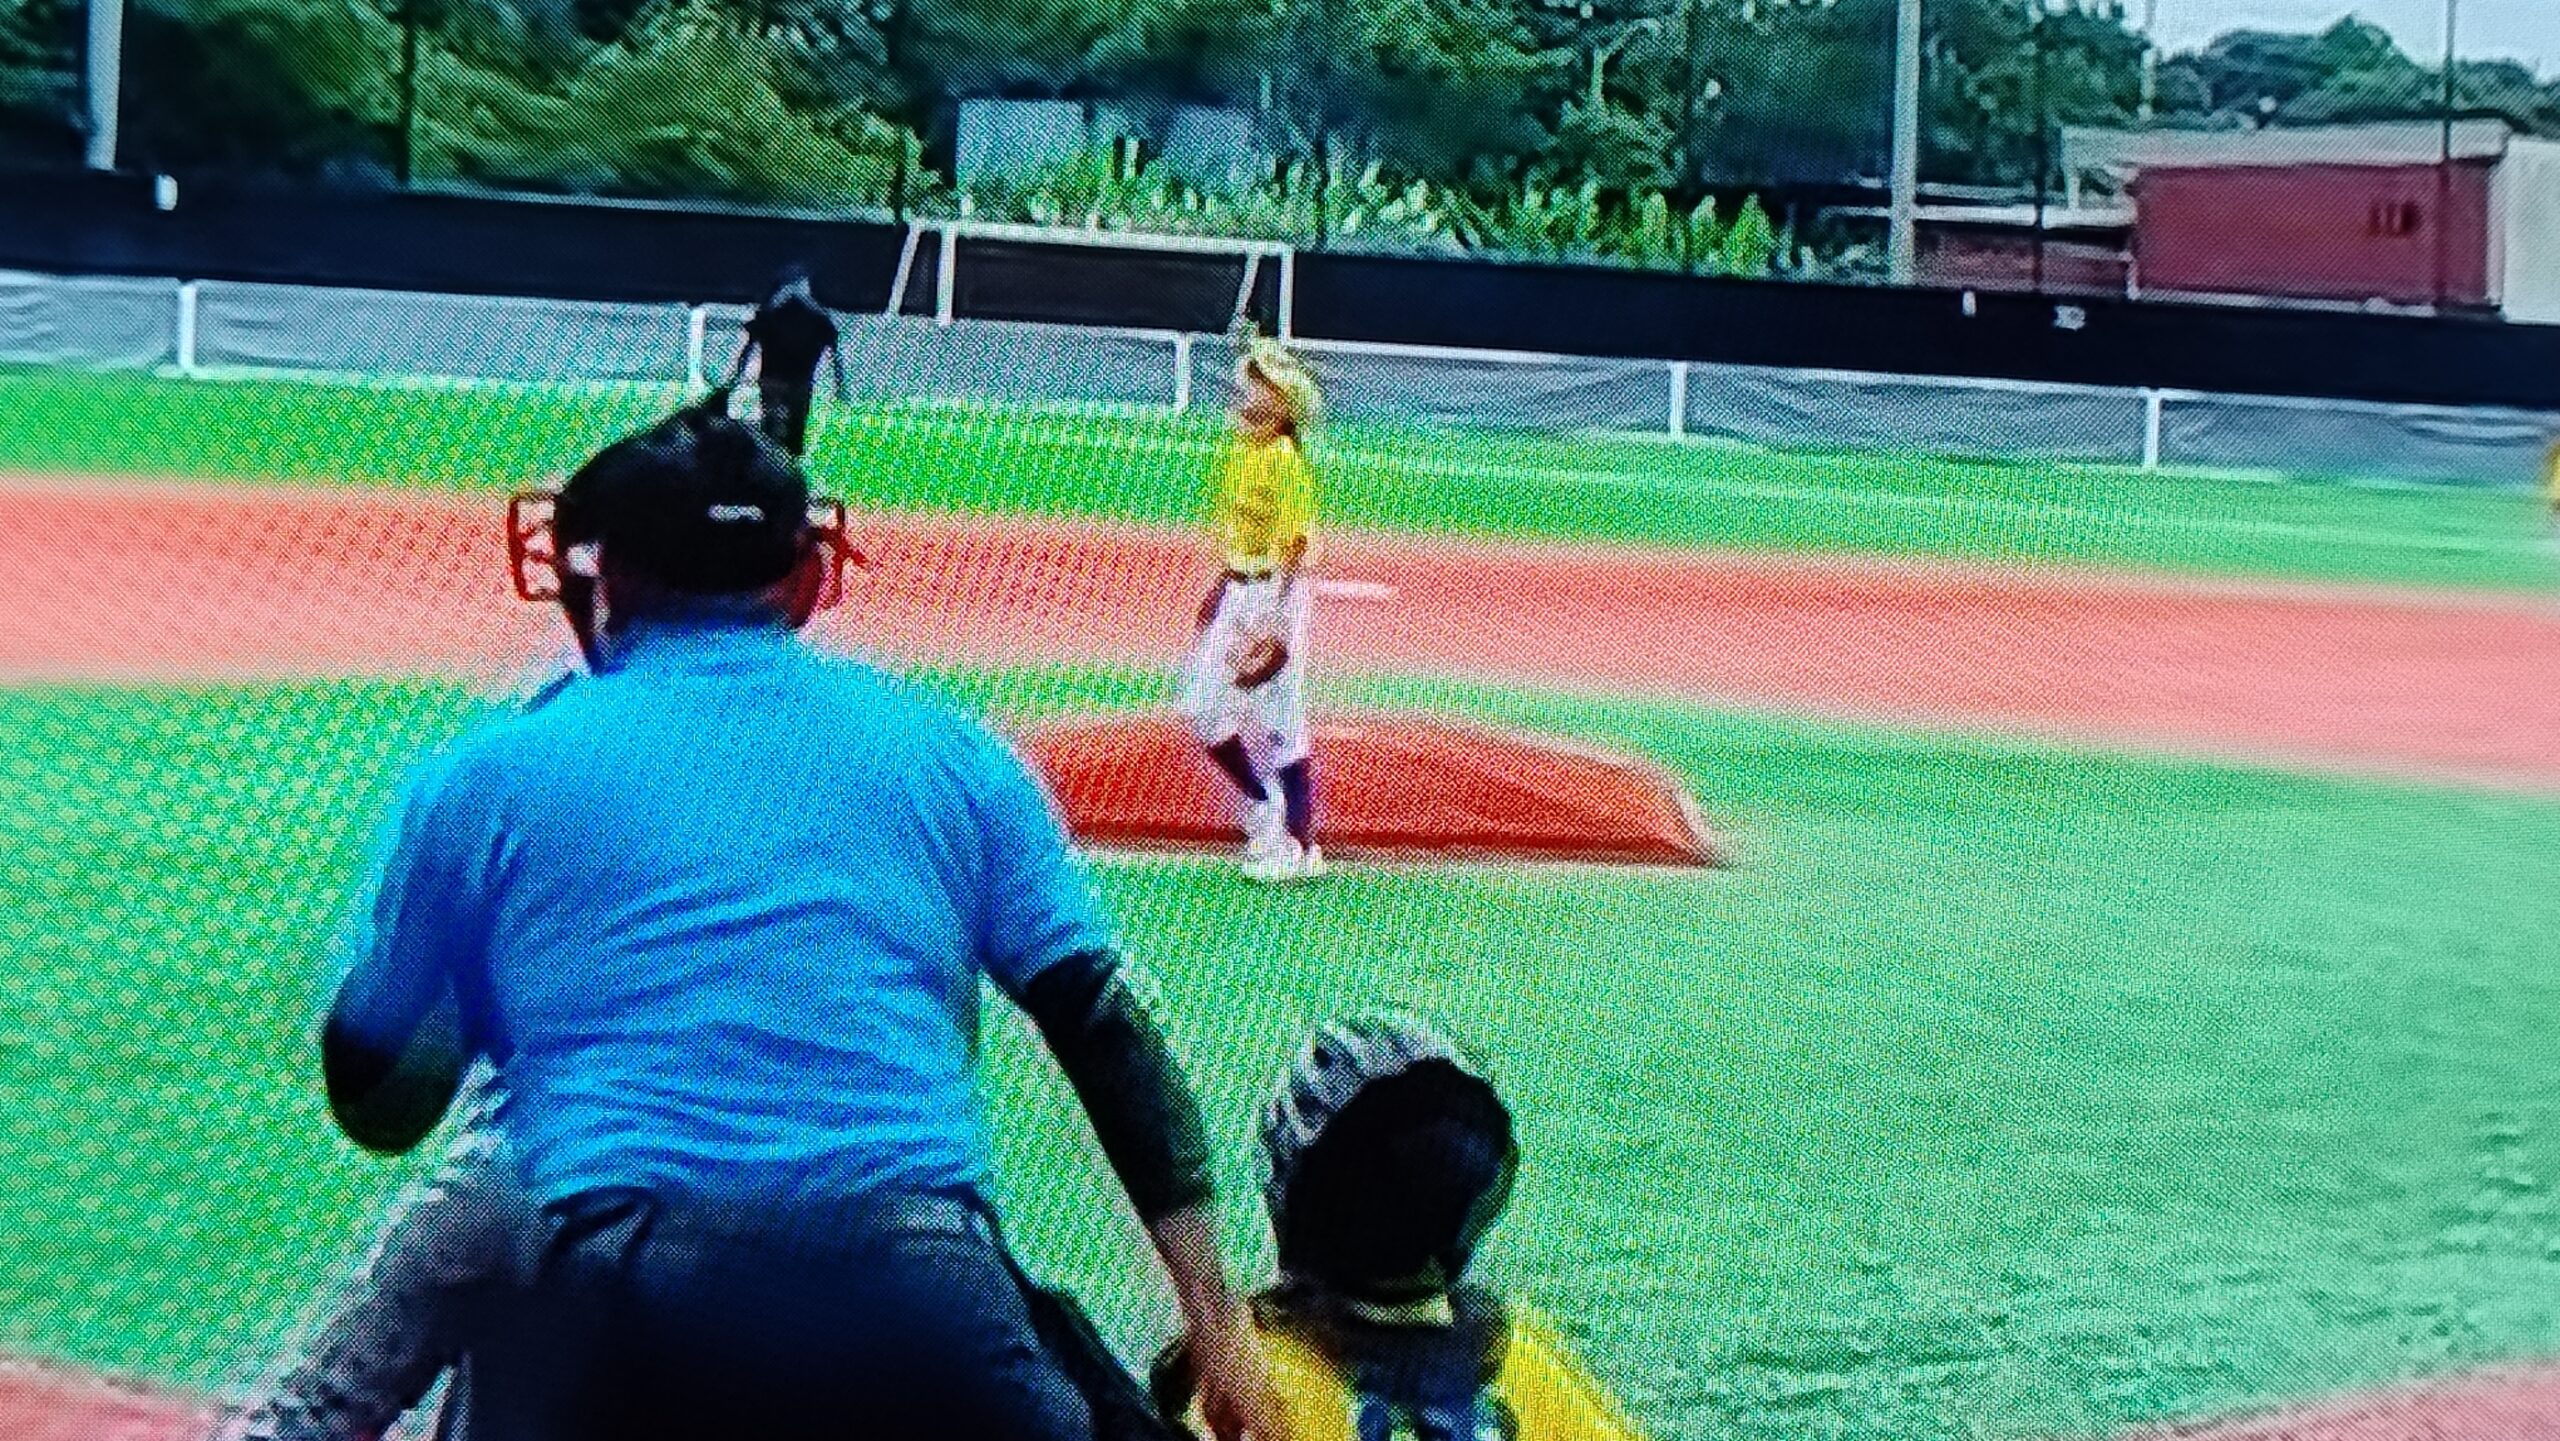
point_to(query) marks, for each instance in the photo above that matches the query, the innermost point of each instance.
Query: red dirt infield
(117, 582)
(1394, 784)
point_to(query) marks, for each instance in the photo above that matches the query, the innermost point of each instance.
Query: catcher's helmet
(1390, 1158)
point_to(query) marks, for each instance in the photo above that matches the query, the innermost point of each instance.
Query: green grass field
(2002, 1091)
(1152, 468)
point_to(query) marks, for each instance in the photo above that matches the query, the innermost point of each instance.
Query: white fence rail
(210, 329)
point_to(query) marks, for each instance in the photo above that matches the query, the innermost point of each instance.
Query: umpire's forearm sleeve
(1132, 1088)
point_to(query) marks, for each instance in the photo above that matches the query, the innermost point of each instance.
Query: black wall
(589, 250)
(2253, 350)
(482, 245)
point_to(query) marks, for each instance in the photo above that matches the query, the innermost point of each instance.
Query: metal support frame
(1244, 291)
(906, 268)
(188, 303)
(1288, 294)
(947, 278)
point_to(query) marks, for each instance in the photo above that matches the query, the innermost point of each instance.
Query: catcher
(1249, 663)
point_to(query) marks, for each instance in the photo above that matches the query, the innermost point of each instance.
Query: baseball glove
(1257, 659)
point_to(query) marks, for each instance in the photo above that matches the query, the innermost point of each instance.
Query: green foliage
(39, 85)
(1371, 208)
(1751, 246)
(687, 103)
(292, 86)
(1567, 129)
(2351, 72)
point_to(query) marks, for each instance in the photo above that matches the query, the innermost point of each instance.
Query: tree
(295, 87)
(1624, 150)
(39, 78)
(1429, 85)
(687, 104)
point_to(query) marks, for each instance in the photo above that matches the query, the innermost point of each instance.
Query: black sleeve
(388, 1100)
(1141, 1107)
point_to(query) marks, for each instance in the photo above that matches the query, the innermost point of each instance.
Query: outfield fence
(214, 328)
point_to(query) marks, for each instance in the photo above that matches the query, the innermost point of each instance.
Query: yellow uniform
(1265, 521)
(2551, 476)
(1266, 504)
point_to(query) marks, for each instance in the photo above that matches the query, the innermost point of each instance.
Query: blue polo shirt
(721, 912)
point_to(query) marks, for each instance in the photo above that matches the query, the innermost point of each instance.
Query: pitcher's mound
(1386, 784)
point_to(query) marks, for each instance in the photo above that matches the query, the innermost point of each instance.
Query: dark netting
(1108, 286)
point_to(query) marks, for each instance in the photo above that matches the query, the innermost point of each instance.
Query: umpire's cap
(700, 502)
(1391, 1156)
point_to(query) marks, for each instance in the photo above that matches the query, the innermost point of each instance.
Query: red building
(2356, 215)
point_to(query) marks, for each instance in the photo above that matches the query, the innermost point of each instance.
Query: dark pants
(783, 411)
(656, 1319)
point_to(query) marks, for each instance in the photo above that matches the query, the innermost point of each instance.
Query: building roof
(2119, 153)
(2057, 216)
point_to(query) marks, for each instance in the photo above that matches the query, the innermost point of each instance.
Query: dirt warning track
(120, 582)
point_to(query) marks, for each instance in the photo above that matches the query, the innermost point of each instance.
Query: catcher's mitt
(1256, 660)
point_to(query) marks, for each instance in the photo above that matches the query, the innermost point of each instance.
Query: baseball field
(2131, 1004)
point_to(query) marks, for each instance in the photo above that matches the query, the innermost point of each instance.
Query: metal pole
(946, 278)
(1286, 321)
(190, 313)
(408, 90)
(2044, 131)
(2150, 61)
(2444, 164)
(1903, 244)
(1690, 13)
(106, 75)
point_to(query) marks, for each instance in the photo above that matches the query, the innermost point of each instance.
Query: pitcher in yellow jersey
(1245, 686)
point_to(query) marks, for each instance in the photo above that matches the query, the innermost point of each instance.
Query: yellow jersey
(1266, 504)
(2551, 476)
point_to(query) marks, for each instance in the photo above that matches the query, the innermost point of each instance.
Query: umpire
(785, 339)
(719, 913)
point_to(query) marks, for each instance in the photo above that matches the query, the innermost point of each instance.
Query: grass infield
(943, 457)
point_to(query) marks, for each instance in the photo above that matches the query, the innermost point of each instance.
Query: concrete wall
(2526, 201)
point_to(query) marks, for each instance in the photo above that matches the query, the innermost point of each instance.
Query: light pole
(2044, 133)
(407, 15)
(1902, 243)
(105, 77)
(2150, 60)
(2444, 161)
(1692, 13)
